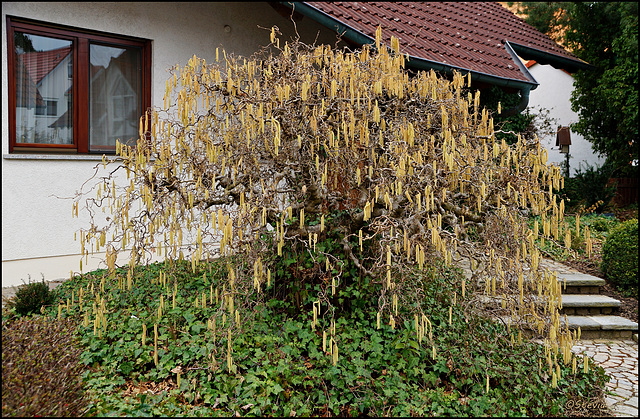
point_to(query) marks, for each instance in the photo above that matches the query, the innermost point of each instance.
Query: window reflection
(114, 101)
(43, 89)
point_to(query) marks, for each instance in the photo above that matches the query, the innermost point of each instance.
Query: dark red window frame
(80, 49)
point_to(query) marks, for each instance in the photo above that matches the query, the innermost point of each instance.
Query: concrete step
(587, 304)
(579, 283)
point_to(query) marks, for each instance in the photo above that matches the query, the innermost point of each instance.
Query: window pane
(43, 89)
(115, 99)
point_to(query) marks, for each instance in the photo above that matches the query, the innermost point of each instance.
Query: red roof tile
(467, 35)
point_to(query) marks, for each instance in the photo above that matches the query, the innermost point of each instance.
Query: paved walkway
(620, 361)
(619, 358)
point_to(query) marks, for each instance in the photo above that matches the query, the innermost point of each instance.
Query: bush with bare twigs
(346, 159)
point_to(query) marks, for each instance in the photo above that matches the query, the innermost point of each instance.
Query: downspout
(526, 90)
(521, 106)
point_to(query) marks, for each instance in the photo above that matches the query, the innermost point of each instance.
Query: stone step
(572, 304)
(579, 283)
(602, 326)
(594, 327)
(587, 304)
(571, 282)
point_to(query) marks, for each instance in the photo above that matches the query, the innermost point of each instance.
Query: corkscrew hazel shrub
(344, 159)
(41, 368)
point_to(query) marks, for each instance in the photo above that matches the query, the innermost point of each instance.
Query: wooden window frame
(81, 40)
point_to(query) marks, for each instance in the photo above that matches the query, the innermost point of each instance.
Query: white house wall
(554, 94)
(37, 224)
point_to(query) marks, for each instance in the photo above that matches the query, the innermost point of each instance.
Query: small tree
(343, 158)
(605, 35)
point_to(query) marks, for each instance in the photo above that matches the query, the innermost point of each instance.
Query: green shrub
(31, 297)
(41, 368)
(620, 256)
(588, 188)
(602, 224)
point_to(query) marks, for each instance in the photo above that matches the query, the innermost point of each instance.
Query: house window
(73, 90)
(47, 107)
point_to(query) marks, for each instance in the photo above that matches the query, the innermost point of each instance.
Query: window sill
(70, 157)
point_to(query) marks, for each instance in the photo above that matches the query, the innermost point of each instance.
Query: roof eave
(414, 62)
(330, 22)
(556, 61)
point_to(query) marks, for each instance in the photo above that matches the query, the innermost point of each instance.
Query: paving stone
(623, 382)
(624, 393)
(626, 410)
(623, 377)
(612, 400)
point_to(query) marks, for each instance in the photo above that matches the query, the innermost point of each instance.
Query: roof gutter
(524, 87)
(421, 63)
(554, 60)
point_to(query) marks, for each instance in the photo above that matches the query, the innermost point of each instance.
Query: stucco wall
(554, 94)
(37, 224)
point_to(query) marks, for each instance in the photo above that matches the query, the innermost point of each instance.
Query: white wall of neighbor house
(37, 224)
(554, 94)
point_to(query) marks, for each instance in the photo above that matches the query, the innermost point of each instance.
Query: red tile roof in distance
(466, 35)
(41, 63)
